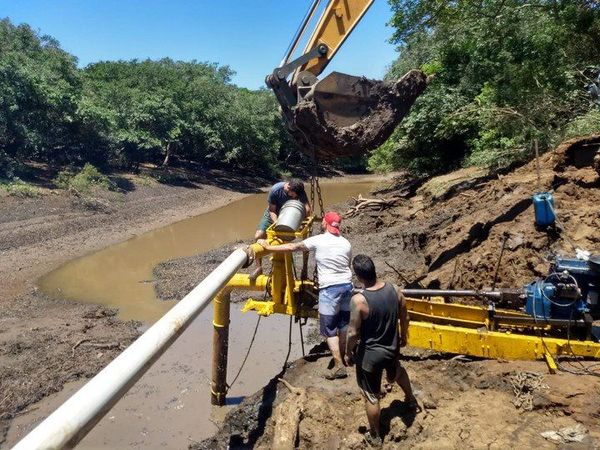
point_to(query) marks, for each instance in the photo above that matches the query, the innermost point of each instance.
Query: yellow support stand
(288, 295)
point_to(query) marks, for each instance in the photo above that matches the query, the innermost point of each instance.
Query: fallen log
(372, 204)
(288, 415)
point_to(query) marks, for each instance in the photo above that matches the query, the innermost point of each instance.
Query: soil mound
(379, 111)
(450, 232)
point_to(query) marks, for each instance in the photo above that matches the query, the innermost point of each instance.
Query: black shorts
(370, 382)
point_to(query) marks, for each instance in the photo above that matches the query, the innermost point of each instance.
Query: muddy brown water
(169, 407)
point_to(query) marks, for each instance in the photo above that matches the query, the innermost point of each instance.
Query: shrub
(19, 188)
(583, 125)
(87, 179)
(7, 166)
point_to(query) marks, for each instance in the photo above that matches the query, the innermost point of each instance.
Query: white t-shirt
(333, 254)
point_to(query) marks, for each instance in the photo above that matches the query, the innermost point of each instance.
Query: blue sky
(250, 36)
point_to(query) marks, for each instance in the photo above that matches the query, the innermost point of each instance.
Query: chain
(524, 385)
(315, 187)
(320, 197)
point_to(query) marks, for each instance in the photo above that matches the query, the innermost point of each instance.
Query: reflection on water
(121, 275)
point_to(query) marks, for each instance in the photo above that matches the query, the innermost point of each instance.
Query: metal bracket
(282, 88)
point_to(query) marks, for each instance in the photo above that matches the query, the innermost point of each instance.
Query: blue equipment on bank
(570, 291)
(543, 205)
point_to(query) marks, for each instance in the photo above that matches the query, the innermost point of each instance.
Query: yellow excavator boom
(334, 26)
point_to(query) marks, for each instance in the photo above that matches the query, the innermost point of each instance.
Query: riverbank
(47, 342)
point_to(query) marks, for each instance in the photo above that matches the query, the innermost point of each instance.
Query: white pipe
(77, 416)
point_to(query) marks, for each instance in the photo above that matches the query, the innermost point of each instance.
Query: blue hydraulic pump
(570, 291)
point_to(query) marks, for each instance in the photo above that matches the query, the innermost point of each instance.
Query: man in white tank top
(333, 254)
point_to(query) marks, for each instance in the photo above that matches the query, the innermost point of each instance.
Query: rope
(287, 357)
(229, 386)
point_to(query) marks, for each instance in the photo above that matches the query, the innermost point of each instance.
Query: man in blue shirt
(280, 193)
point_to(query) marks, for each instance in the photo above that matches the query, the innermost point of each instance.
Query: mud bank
(463, 404)
(47, 342)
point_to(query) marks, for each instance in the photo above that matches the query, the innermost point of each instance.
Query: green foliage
(152, 109)
(585, 124)
(18, 188)
(124, 113)
(7, 166)
(431, 139)
(84, 181)
(507, 72)
(39, 88)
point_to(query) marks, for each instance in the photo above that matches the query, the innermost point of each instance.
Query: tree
(39, 89)
(512, 71)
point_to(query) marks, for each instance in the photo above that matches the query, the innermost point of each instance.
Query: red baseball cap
(332, 222)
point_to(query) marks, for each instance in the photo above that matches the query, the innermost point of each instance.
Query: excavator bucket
(343, 115)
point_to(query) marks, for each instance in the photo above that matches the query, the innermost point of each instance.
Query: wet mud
(385, 106)
(463, 403)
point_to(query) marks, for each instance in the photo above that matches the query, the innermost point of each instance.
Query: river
(169, 407)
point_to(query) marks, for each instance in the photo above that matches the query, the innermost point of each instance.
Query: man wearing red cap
(333, 254)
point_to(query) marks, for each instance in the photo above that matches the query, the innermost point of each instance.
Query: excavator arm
(341, 115)
(335, 25)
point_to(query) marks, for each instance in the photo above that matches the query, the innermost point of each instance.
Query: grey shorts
(370, 382)
(265, 221)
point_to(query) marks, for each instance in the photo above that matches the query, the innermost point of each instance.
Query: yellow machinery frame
(434, 325)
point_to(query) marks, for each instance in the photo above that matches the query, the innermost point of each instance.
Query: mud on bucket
(290, 216)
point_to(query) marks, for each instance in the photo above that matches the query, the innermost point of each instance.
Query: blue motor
(568, 292)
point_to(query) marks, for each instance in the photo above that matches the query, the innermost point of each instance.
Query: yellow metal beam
(334, 26)
(493, 344)
(455, 310)
(266, 308)
(552, 367)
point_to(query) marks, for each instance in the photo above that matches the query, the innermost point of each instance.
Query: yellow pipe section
(258, 251)
(242, 281)
(221, 309)
(289, 280)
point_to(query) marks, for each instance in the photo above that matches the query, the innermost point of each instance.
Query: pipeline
(451, 293)
(77, 416)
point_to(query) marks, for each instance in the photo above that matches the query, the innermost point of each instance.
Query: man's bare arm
(273, 212)
(284, 248)
(307, 209)
(358, 305)
(403, 318)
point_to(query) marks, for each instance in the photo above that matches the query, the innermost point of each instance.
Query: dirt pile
(462, 403)
(450, 232)
(378, 105)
